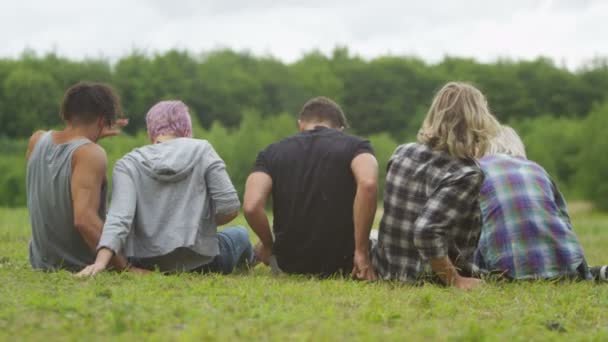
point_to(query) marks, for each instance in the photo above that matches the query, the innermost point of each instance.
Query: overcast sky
(569, 31)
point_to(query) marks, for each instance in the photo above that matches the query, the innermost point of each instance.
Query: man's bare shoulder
(90, 156)
(33, 141)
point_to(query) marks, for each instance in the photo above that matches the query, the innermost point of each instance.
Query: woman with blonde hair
(526, 230)
(430, 225)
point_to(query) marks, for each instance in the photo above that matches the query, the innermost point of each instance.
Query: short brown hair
(85, 102)
(323, 109)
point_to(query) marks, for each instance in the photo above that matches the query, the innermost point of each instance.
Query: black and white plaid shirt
(430, 211)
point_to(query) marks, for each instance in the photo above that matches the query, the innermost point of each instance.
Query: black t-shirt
(313, 191)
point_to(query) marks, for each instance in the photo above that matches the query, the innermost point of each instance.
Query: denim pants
(235, 251)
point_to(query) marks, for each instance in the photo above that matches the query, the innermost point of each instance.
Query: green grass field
(258, 306)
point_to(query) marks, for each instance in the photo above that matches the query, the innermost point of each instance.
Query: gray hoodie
(165, 198)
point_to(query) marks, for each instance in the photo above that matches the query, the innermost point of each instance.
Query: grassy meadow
(257, 306)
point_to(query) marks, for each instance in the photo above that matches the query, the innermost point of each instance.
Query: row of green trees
(241, 103)
(385, 94)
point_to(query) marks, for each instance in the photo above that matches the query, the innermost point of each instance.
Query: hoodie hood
(170, 161)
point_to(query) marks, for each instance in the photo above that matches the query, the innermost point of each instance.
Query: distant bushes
(12, 172)
(387, 94)
(592, 163)
(239, 103)
(574, 151)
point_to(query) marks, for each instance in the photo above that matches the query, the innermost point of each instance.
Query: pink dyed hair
(169, 117)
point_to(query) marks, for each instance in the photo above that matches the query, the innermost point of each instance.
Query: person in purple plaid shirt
(430, 224)
(526, 230)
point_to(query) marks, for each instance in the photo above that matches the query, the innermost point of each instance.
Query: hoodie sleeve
(122, 210)
(222, 192)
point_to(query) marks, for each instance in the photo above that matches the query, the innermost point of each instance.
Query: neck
(163, 138)
(71, 131)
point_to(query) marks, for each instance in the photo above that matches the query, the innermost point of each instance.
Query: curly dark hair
(85, 102)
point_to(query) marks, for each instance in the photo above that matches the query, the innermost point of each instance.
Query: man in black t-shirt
(324, 193)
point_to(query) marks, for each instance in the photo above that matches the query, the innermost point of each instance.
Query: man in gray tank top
(66, 180)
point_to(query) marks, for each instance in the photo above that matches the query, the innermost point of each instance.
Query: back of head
(86, 102)
(169, 118)
(321, 109)
(507, 142)
(459, 122)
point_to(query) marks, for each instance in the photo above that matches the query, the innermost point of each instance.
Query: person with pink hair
(168, 199)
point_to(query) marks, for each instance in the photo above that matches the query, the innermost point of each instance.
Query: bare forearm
(258, 221)
(445, 270)
(104, 255)
(364, 211)
(90, 227)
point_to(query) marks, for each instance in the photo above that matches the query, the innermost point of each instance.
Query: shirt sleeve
(221, 190)
(261, 163)
(445, 209)
(362, 146)
(122, 210)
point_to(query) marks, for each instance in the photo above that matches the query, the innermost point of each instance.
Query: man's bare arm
(257, 190)
(32, 143)
(365, 170)
(448, 273)
(88, 174)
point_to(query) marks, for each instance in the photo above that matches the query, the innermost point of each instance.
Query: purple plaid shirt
(526, 231)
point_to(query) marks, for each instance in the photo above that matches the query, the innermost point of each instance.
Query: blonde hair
(459, 122)
(507, 142)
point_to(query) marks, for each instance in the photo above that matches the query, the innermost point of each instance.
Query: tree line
(242, 102)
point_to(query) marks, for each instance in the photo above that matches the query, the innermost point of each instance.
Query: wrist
(453, 280)
(100, 265)
(267, 246)
(267, 242)
(362, 247)
(362, 252)
(445, 270)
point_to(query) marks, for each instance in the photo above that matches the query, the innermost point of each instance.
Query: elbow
(368, 186)
(251, 209)
(222, 219)
(421, 238)
(81, 222)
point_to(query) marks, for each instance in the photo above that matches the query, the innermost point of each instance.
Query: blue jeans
(235, 251)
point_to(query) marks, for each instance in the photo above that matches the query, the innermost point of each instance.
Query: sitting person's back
(526, 231)
(66, 180)
(168, 199)
(427, 189)
(312, 195)
(317, 179)
(174, 189)
(430, 225)
(55, 241)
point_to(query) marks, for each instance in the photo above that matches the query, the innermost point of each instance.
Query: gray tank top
(55, 241)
